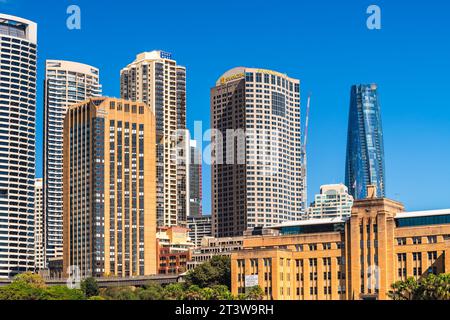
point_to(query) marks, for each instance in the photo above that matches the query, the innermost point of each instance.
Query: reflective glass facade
(365, 150)
(422, 221)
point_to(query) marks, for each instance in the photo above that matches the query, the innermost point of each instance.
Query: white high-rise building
(334, 201)
(155, 79)
(66, 83)
(18, 44)
(39, 261)
(257, 178)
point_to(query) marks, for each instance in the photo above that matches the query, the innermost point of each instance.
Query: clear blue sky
(325, 43)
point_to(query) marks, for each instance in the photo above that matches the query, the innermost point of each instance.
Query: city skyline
(426, 190)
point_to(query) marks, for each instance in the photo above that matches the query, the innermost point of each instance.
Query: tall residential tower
(155, 79)
(66, 83)
(257, 177)
(109, 188)
(365, 150)
(39, 262)
(18, 41)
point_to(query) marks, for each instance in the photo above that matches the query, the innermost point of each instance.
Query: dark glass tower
(365, 150)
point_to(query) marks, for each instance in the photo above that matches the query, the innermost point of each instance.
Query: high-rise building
(365, 149)
(155, 79)
(109, 188)
(39, 262)
(332, 202)
(66, 83)
(257, 177)
(18, 44)
(199, 227)
(195, 180)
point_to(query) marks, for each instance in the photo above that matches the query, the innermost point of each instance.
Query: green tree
(217, 271)
(90, 287)
(120, 293)
(26, 286)
(174, 291)
(21, 291)
(63, 293)
(31, 279)
(220, 292)
(254, 293)
(431, 287)
(194, 293)
(151, 291)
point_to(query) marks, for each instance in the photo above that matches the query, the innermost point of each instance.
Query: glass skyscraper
(365, 150)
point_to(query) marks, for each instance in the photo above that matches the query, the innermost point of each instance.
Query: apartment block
(109, 188)
(39, 261)
(155, 79)
(332, 202)
(65, 83)
(18, 45)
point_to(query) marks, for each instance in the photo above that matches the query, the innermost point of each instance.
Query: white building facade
(18, 45)
(39, 261)
(66, 83)
(156, 79)
(334, 201)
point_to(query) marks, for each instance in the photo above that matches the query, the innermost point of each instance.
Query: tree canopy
(432, 287)
(217, 271)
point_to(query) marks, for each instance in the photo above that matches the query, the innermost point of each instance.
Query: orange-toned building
(110, 188)
(342, 259)
(173, 249)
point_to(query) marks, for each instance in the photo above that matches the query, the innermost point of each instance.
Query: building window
(432, 255)
(417, 256)
(417, 240)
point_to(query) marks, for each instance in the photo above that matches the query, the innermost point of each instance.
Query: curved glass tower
(365, 150)
(18, 38)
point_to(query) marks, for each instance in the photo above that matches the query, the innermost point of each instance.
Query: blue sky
(324, 43)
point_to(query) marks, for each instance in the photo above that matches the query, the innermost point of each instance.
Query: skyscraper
(195, 180)
(66, 83)
(365, 150)
(257, 177)
(18, 42)
(39, 262)
(155, 79)
(109, 188)
(332, 202)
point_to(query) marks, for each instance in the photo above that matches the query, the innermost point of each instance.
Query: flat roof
(427, 213)
(309, 222)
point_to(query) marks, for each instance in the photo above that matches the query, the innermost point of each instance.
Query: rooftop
(428, 213)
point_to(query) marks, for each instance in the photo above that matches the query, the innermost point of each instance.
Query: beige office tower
(155, 79)
(109, 188)
(257, 178)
